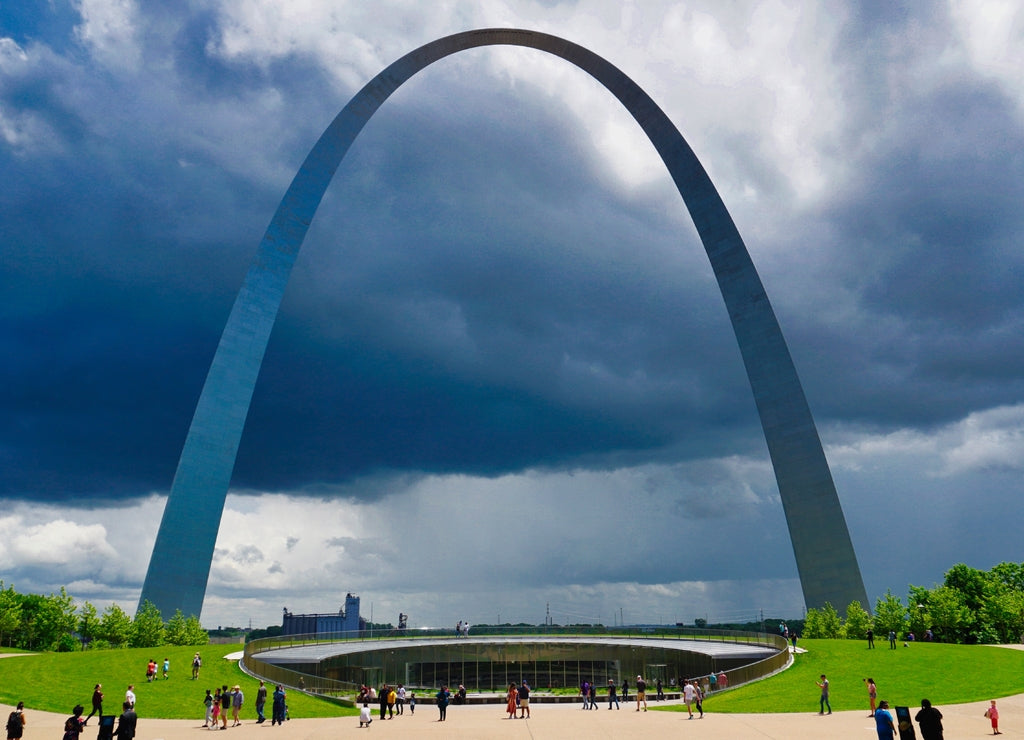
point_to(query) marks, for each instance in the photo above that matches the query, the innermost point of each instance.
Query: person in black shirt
(930, 720)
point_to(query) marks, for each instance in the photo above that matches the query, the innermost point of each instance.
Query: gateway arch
(180, 565)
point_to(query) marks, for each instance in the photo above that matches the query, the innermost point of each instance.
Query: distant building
(346, 620)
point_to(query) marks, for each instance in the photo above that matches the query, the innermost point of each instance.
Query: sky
(503, 384)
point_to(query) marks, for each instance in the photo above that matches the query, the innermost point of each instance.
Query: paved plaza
(564, 722)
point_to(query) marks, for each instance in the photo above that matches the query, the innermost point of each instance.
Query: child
(364, 715)
(412, 703)
(216, 709)
(993, 714)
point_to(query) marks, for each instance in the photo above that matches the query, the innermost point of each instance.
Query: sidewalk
(565, 722)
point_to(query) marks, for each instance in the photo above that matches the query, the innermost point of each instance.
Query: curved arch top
(180, 565)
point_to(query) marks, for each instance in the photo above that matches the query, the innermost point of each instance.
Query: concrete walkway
(566, 722)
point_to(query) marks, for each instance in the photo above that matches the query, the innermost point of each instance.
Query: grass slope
(945, 674)
(55, 682)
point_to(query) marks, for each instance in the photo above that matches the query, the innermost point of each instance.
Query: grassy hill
(55, 682)
(945, 674)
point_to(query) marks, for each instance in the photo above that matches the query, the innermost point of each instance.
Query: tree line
(54, 623)
(971, 606)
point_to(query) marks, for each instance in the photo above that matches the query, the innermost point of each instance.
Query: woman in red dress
(513, 695)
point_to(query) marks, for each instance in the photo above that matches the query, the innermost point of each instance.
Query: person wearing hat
(236, 704)
(883, 722)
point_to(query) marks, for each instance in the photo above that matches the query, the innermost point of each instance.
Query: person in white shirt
(364, 715)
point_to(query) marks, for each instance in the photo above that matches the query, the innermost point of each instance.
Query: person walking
(688, 697)
(698, 697)
(930, 720)
(237, 698)
(215, 709)
(197, 663)
(660, 689)
(208, 703)
(823, 685)
(16, 722)
(279, 707)
(97, 703)
(612, 697)
(641, 693)
(261, 702)
(625, 690)
(225, 706)
(883, 722)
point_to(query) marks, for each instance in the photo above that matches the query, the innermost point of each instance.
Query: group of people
(518, 699)
(75, 724)
(151, 669)
(462, 629)
(391, 699)
(223, 701)
(929, 718)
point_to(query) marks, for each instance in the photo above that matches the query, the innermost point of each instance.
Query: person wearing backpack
(16, 722)
(73, 724)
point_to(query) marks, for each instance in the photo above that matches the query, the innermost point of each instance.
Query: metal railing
(345, 691)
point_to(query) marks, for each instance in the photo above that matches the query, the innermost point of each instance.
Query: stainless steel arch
(182, 556)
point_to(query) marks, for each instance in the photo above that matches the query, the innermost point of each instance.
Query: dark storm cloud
(926, 247)
(473, 295)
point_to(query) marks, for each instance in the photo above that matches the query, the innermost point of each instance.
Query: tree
(831, 624)
(812, 625)
(1004, 614)
(951, 619)
(174, 632)
(10, 613)
(971, 583)
(115, 627)
(181, 631)
(823, 623)
(88, 624)
(56, 621)
(147, 627)
(194, 632)
(890, 614)
(857, 621)
(919, 617)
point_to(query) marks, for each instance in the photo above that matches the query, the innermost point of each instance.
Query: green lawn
(945, 674)
(55, 682)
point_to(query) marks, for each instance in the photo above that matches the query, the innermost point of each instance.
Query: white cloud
(109, 30)
(984, 440)
(993, 33)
